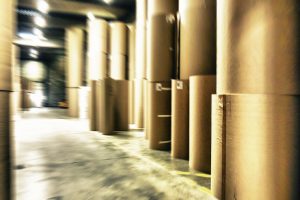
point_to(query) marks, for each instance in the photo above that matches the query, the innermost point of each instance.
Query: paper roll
(159, 115)
(198, 40)
(146, 105)
(140, 52)
(141, 12)
(131, 102)
(92, 106)
(118, 67)
(131, 52)
(259, 134)
(187, 4)
(118, 38)
(201, 89)
(139, 103)
(73, 102)
(74, 47)
(121, 104)
(254, 47)
(159, 7)
(180, 119)
(98, 36)
(106, 106)
(161, 48)
(5, 140)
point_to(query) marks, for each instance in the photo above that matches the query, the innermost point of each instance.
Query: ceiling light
(43, 6)
(37, 32)
(91, 16)
(108, 1)
(39, 21)
(34, 51)
(33, 55)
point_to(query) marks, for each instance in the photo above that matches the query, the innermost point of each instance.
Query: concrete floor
(58, 158)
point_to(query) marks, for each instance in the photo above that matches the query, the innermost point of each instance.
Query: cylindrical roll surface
(160, 48)
(198, 40)
(180, 119)
(260, 145)
(106, 106)
(121, 105)
(158, 7)
(118, 67)
(159, 115)
(131, 52)
(258, 51)
(92, 106)
(201, 89)
(73, 102)
(139, 103)
(118, 38)
(131, 101)
(146, 105)
(5, 140)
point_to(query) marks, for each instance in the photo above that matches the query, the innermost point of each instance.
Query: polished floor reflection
(58, 158)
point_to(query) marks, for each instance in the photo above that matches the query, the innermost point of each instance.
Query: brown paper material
(158, 7)
(201, 89)
(118, 67)
(146, 105)
(131, 52)
(258, 51)
(198, 40)
(259, 138)
(131, 102)
(159, 115)
(106, 106)
(139, 103)
(161, 48)
(121, 105)
(180, 119)
(5, 140)
(92, 106)
(73, 102)
(118, 38)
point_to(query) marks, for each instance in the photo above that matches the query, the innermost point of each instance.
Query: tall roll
(121, 104)
(106, 106)
(261, 136)
(180, 119)
(118, 38)
(139, 103)
(159, 7)
(159, 115)
(92, 106)
(197, 38)
(131, 101)
(118, 67)
(161, 48)
(146, 106)
(201, 89)
(73, 102)
(5, 140)
(254, 47)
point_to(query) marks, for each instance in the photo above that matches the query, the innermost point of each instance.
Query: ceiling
(65, 13)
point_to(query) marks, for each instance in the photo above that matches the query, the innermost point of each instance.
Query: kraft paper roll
(103, 67)
(161, 49)
(131, 102)
(201, 89)
(131, 52)
(141, 12)
(25, 100)
(5, 140)
(140, 52)
(106, 106)
(180, 119)
(73, 102)
(74, 46)
(118, 38)
(260, 146)
(254, 47)
(98, 36)
(139, 103)
(159, 115)
(198, 40)
(121, 104)
(92, 106)
(186, 4)
(118, 67)
(146, 105)
(158, 7)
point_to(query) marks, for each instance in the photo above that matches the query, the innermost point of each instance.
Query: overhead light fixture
(39, 21)
(34, 52)
(91, 16)
(37, 32)
(33, 55)
(108, 1)
(32, 37)
(43, 6)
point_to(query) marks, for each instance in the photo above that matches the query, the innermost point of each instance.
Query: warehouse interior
(149, 99)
